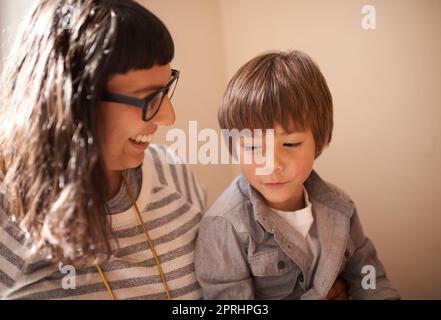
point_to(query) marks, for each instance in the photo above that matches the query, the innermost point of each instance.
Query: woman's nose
(166, 114)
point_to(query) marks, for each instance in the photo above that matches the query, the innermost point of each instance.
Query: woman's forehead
(139, 80)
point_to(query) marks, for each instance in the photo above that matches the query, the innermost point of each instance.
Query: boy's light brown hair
(278, 87)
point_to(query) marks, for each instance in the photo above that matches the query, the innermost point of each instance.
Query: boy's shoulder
(329, 194)
(231, 201)
(234, 207)
(170, 170)
(341, 194)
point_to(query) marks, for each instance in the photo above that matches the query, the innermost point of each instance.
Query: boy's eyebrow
(293, 133)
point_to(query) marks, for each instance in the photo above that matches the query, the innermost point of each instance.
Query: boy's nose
(278, 163)
(166, 114)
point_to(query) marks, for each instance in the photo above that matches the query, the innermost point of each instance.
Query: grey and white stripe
(172, 208)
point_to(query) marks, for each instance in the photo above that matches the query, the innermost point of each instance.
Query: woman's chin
(135, 161)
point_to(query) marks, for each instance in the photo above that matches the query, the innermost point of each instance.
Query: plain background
(386, 83)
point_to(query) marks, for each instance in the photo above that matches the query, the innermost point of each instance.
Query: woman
(83, 194)
(88, 208)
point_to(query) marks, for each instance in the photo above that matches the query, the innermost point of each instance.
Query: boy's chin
(276, 201)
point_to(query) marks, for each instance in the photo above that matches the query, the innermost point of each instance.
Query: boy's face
(294, 154)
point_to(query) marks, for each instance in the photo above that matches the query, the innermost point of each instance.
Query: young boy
(287, 234)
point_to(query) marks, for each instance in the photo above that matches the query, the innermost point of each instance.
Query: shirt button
(281, 265)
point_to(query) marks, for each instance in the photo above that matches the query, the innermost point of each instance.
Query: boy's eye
(292, 145)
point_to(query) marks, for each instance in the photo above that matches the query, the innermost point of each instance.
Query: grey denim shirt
(245, 250)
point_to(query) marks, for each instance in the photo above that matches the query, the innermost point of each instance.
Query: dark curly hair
(51, 166)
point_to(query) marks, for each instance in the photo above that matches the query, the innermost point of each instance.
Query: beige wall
(197, 33)
(11, 14)
(386, 149)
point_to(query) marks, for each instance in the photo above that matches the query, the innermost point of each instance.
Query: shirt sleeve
(364, 273)
(220, 261)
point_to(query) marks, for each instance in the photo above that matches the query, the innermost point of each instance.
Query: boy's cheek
(249, 172)
(245, 169)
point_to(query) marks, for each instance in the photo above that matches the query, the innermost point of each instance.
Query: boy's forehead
(278, 130)
(292, 128)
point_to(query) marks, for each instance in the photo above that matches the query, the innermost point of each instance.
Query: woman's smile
(141, 141)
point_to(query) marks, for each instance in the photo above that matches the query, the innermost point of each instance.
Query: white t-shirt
(303, 221)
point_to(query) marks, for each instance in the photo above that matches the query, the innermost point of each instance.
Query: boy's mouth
(275, 183)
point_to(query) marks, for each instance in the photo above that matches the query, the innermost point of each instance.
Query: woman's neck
(115, 180)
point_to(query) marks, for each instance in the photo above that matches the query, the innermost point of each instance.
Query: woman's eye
(292, 145)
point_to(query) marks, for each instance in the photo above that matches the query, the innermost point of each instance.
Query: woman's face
(121, 123)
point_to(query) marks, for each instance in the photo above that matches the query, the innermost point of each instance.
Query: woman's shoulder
(170, 171)
(161, 154)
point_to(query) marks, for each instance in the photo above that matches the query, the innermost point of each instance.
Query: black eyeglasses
(150, 105)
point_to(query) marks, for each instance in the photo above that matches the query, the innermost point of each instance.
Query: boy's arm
(368, 282)
(220, 261)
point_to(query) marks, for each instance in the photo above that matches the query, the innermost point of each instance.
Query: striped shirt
(171, 202)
